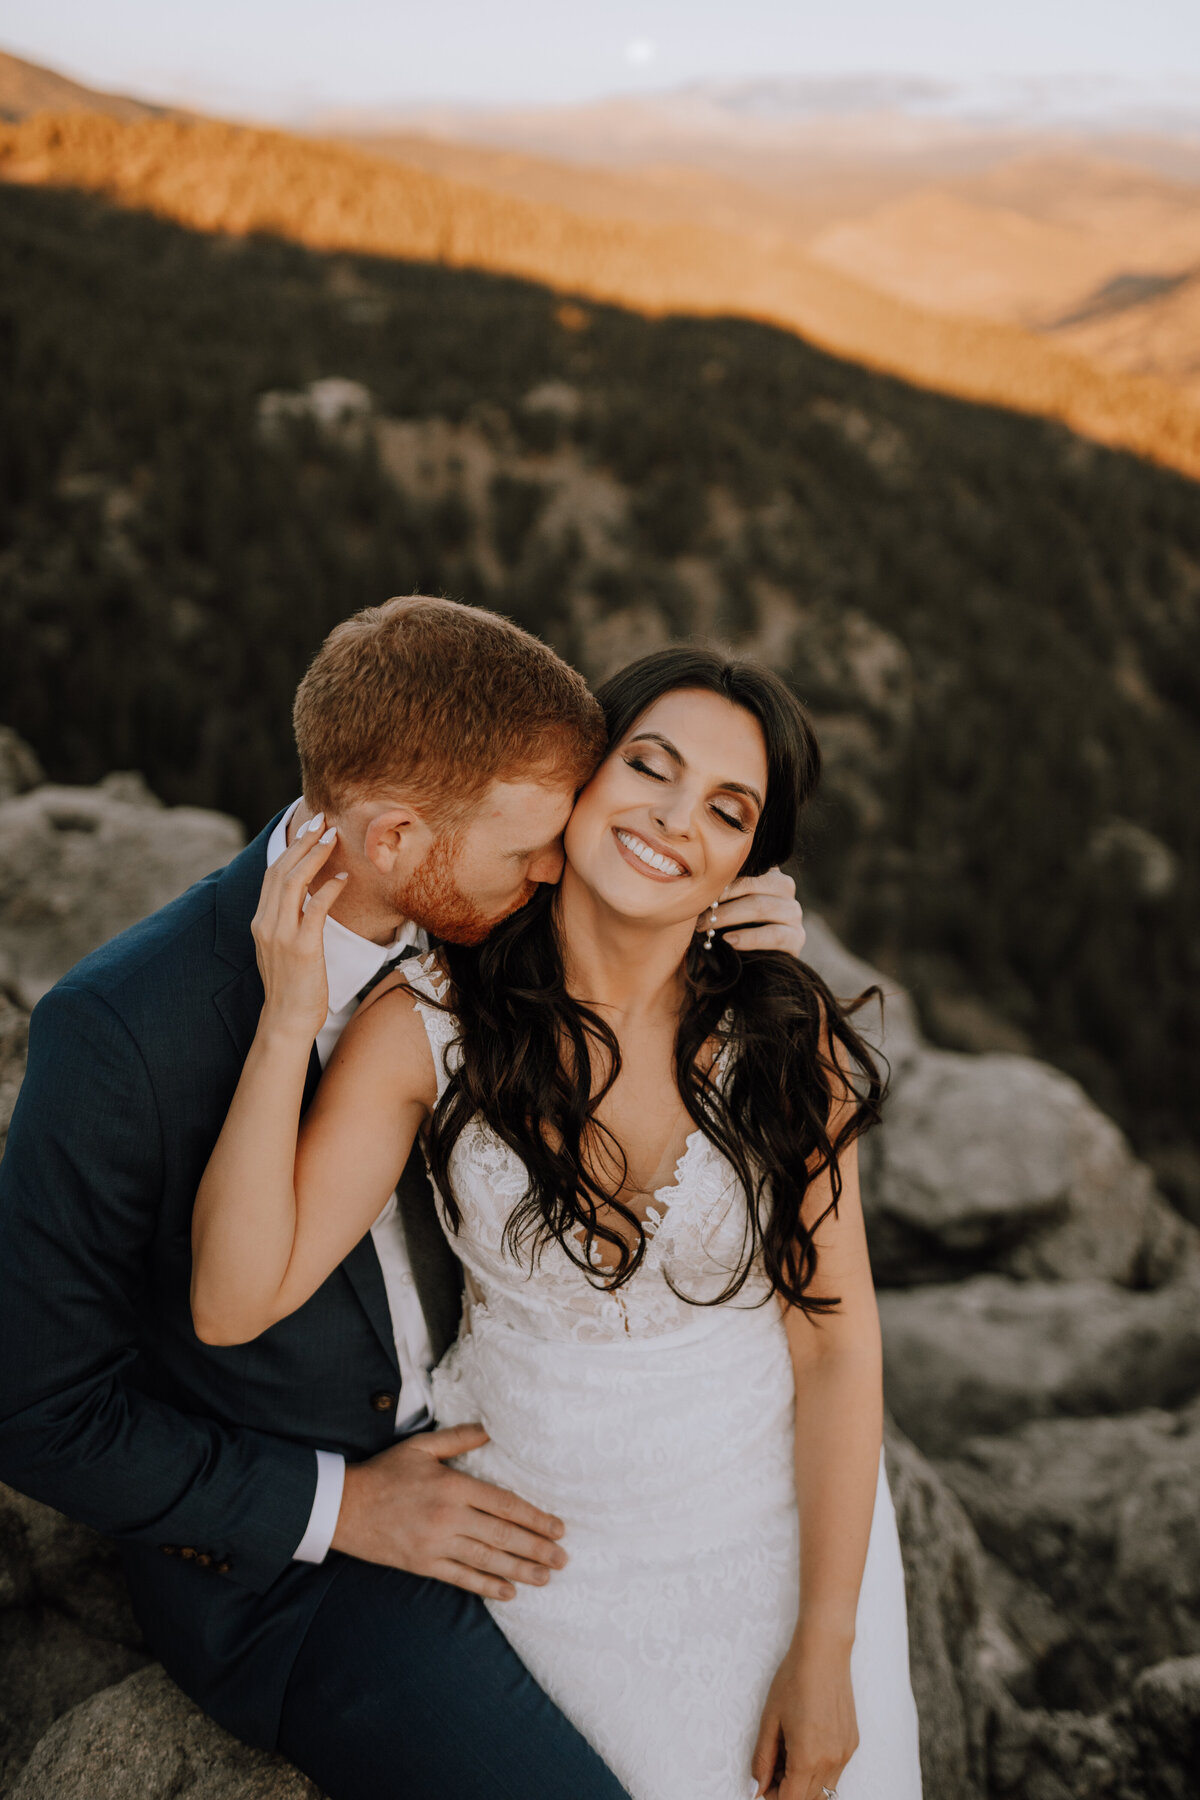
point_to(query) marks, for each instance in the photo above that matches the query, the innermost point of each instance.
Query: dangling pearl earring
(712, 926)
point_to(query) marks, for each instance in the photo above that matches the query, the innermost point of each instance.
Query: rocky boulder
(14, 1042)
(1165, 1724)
(144, 1738)
(1146, 1747)
(991, 1353)
(890, 1025)
(1001, 1162)
(66, 1628)
(49, 1560)
(947, 1628)
(1046, 1755)
(48, 1664)
(1101, 1515)
(77, 865)
(993, 1162)
(20, 769)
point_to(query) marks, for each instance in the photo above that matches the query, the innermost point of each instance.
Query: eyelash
(634, 762)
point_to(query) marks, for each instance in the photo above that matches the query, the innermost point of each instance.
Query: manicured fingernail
(327, 837)
(343, 876)
(314, 824)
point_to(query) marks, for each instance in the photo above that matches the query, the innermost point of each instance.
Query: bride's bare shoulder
(387, 1037)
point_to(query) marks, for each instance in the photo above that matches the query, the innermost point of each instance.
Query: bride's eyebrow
(677, 757)
(653, 737)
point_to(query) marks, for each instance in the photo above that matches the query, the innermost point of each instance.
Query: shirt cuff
(327, 1504)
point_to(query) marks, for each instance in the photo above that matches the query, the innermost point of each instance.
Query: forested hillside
(996, 624)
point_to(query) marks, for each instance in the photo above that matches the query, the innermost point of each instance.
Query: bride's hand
(759, 912)
(809, 1728)
(289, 935)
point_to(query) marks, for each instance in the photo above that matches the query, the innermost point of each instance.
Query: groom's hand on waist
(406, 1509)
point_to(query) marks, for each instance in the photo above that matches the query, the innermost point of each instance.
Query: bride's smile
(668, 819)
(655, 862)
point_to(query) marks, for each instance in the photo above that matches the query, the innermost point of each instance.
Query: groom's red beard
(431, 897)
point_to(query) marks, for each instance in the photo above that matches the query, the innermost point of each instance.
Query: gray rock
(131, 787)
(48, 1664)
(66, 1626)
(144, 1738)
(330, 403)
(892, 1028)
(1028, 1639)
(77, 865)
(1102, 1515)
(20, 769)
(50, 1560)
(1166, 1726)
(1146, 1747)
(558, 398)
(1046, 1755)
(1000, 1162)
(989, 1354)
(14, 1043)
(946, 1625)
(993, 1161)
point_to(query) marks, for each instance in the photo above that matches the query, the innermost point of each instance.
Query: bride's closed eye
(643, 768)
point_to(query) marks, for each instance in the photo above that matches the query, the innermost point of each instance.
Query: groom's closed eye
(542, 850)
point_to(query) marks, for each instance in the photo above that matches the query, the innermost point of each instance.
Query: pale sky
(280, 57)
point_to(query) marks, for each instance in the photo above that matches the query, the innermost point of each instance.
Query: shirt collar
(350, 960)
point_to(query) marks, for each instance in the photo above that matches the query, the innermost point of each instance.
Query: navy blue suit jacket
(111, 1409)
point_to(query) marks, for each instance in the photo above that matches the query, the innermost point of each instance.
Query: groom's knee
(407, 1681)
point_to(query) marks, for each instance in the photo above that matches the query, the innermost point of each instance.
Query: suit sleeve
(79, 1198)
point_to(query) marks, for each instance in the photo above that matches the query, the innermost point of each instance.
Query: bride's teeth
(645, 854)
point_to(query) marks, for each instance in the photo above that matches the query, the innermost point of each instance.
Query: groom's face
(478, 874)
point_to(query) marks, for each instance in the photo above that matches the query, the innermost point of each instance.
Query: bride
(644, 1145)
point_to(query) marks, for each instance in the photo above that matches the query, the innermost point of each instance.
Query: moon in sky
(639, 52)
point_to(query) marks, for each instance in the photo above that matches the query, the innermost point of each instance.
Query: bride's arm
(274, 1217)
(838, 1365)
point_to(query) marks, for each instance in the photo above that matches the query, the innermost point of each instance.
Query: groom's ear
(397, 838)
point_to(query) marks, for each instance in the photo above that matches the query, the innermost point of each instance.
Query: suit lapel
(436, 1270)
(361, 1269)
(239, 1002)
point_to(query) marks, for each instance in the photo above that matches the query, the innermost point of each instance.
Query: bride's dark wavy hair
(531, 1051)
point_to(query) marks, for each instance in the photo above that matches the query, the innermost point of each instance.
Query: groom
(278, 1505)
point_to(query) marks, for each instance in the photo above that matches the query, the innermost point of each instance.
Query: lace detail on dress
(695, 1230)
(662, 1434)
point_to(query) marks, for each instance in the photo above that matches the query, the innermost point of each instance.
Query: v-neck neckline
(665, 1200)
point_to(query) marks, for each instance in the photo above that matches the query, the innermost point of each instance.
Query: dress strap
(430, 987)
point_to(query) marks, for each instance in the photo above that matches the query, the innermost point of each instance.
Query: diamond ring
(830, 1793)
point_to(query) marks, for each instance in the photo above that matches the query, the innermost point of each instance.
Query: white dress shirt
(350, 963)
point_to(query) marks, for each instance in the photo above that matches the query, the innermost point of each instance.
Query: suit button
(204, 1560)
(224, 1566)
(188, 1554)
(383, 1401)
(169, 1549)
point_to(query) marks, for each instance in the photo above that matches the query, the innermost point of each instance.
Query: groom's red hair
(439, 700)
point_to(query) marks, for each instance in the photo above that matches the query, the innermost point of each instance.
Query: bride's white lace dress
(662, 1434)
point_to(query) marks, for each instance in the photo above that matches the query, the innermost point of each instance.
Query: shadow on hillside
(995, 623)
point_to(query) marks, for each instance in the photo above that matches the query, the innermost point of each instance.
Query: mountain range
(250, 380)
(1068, 208)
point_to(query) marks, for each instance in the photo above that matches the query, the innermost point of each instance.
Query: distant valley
(250, 380)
